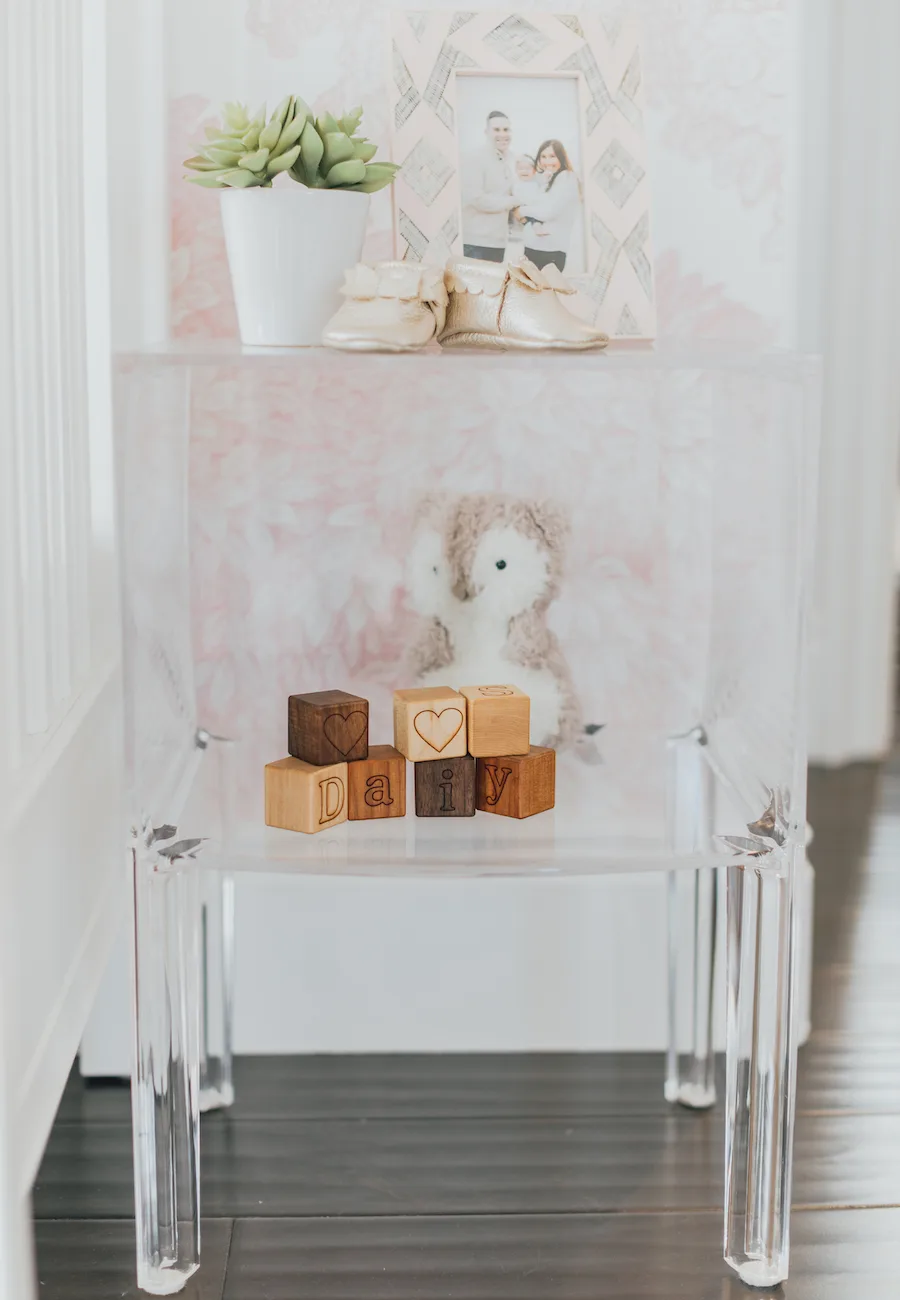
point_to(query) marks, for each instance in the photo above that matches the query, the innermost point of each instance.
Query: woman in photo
(550, 216)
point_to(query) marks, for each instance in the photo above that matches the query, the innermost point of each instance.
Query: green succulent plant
(321, 153)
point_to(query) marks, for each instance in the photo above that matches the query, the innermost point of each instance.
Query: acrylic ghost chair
(735, 780)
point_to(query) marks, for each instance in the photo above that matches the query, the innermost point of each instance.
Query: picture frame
(447, 66)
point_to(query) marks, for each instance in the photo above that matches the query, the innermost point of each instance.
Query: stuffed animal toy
(482, 571)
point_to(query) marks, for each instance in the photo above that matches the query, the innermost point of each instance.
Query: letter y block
(516, 785)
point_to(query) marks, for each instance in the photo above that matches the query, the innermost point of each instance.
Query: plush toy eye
(501, 564)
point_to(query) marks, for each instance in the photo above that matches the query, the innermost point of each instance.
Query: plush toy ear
(553, 522)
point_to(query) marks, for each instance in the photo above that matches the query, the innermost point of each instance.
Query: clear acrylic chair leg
(690, 1059)
(761, 1068)
(693, 895)
(165, 1085)
(217, 989)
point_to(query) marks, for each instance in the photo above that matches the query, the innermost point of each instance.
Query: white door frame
(63, 877)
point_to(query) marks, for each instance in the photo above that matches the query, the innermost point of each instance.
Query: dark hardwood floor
(527, 1177)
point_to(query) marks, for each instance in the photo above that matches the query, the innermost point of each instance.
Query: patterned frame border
(604, 53)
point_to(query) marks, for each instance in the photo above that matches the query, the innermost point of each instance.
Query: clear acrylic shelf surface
(269, 501)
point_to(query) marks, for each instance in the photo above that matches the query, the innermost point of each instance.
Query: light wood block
(445, 787)
(304, 796)
(328, 727)
(378, 784)
(517, 785)
(498, 720)
(430, 722)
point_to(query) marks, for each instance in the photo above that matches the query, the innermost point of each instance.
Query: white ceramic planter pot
(288, 249)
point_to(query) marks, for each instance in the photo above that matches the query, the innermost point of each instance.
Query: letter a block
(430, 722)
(446, 788)
(517, 785)
(328, 727)
(378, 784)
(498, 720)
(304, 797)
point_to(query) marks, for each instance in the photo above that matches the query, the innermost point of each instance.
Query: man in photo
(487, 193)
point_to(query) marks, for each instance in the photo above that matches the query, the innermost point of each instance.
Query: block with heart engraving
(517, 785)
(498, 720)
(378, 784)
(328, 727)
(445, 787)
(304, 797)
(430, 722)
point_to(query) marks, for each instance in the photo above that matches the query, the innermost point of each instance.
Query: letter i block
(303, 797)
(328, 727)
(446, 788)
(430, 722)
(378, 784)
(498, 720)
(517, 785)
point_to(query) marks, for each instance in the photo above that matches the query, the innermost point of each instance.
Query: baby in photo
(528, 185)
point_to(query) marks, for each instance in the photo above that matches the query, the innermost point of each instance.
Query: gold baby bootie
(513, 305)
(391, 307)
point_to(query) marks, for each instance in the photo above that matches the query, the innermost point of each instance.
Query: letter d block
(378, 784)
(303, 797)
(517, 785)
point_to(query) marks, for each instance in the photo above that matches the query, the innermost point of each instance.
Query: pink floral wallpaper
(717, 80)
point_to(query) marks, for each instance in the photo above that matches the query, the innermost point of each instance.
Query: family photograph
(522, 194)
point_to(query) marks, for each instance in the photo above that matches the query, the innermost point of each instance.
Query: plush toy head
(506, 553)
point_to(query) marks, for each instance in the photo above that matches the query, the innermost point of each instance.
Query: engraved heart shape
(344, 730)
(438, 729)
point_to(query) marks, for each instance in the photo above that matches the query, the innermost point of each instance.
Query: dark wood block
(445, 787)
(328, 727)
(378, 784)
(517, 785)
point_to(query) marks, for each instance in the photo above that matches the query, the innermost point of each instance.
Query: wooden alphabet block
(378, 784)
(498, 720)
(517, 785)
(430, 721)
(445, 787)
(328, 727)
(303, 797)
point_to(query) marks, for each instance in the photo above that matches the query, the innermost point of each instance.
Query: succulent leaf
(201, 164)
(338, 149)
(349, 172)
(378, 175)
(255, 162)
(290, 134)
(364, 150)
(284, 161)
(268, 136)
(311, 151)
(236, 116)
(222, 157)
(209, 180)
(327, 125)
(350, 121)
(240, 180)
